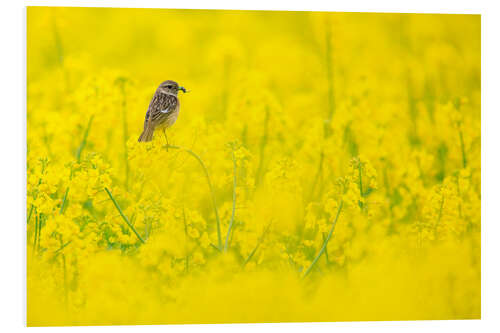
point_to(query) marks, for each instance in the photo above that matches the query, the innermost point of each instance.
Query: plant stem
(360, 180)
(325, 243)
(234, 202)
(84, 140)
(440, 214)
(123, 216)
(326, 250)
(35, 195)
(36, 232)
(62, 247)
(30, 213)
(212, 193)
(63, 205)
(40, 221)
(462, 146)
(261, 238)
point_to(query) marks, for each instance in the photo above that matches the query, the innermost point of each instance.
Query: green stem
(325, 243)
(62, 247)
(440, 214)
(326, 250)
(462, 146)
(65, 198)
(360, 180)
(37, 241)
(234, 202)
(35, 195)
(36, 232)
(84, 140)
(261, 238)
(123, 216)
(212, 193)
(63, 205)
(30, 213)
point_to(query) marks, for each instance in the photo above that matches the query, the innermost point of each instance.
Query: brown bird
(162, 111)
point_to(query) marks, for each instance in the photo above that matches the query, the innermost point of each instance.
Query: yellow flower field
(324, 167)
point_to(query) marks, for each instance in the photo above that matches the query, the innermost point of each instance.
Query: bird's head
(170, 87)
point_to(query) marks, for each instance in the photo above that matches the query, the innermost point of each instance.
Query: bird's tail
(147, 134)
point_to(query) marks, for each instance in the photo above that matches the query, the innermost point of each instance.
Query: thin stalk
(63, 205)
(234, 202)
(40, 221)
(215, 247)
(148, 230)
(360, 180)
(261, 238)
(325, 243)
(326, 250)
(123, 216)
(34, 196)
(62, 247)
(212, 193)
(36, 233)
(65, 198)
(462, 146)
(440, 214)
(84, 140)
(30, 213)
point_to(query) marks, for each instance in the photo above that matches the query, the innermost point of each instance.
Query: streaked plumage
(163, 109)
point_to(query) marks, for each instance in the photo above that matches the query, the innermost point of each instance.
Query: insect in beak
(183, 89)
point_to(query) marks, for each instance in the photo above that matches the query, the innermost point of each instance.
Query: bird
(163, 110)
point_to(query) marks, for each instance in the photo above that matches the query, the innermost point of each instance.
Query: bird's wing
(169, 104)
(160, 105)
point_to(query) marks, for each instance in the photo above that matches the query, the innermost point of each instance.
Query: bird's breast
(169, 118)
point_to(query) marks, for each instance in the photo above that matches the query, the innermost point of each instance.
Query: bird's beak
(183, 89)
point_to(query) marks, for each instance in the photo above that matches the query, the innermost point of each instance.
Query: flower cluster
(323, 167)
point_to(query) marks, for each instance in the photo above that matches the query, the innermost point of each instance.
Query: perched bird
(162, 111)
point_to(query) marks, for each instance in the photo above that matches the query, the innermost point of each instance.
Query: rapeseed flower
(327, 167)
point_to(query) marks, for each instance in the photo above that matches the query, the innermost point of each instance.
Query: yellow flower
(193, 232)
(193, 235)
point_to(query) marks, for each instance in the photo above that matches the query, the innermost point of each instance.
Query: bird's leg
(165, 134)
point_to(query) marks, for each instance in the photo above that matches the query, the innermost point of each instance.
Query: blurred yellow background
(342, 159)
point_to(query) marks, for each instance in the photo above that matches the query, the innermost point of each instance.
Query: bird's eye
(169, 87)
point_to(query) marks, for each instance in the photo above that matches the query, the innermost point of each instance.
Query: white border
(13, 154)
(422, 6)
